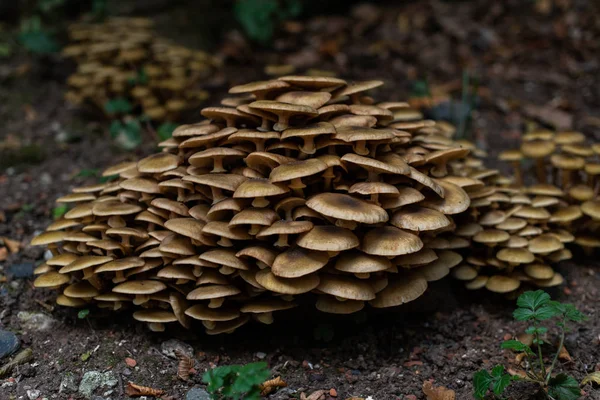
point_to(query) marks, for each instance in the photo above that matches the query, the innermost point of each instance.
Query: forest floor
(525, 65)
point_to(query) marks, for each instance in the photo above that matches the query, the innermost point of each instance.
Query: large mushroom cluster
(570, 162)
(300, 189)
(122, 58)
(515, 233)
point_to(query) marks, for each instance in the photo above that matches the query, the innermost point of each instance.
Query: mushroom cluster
(122, 58)
(570, 162)
(515, 233)
(296, 189)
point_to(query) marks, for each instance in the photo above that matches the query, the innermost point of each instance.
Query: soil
(532, 67)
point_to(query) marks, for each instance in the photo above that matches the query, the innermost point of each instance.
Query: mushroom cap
(566, 214)
(262, 254)
(66, 301)
(564, 161)
(591, 208)
(208, 292)
(346, 207)
(331, 305)
(544, 189)
(537, 149)
(539, 271)
(569, 137)
(227, 257)
(515, 255)
(502, 284)
(204, 313)
(367, 188)
(188, 227)
(221, 181)
(51, 280)
(544, 244)
(156, 163)
(47, 238)
(398, 168)
(312, 82)
(297, 262)
(253, 188)
(297, 169)
(454, 201)
(511, 155)
(260, 86)
(328, 238)
(84, 262)
(286, 228)
(305, 98)
(254, 216)
(228, 326)
(421, 257)
(350, 134)
(400, 292)
(139, 287)
(293, 286)
(120, 264)
(62, 259)
(464, 272)
(439, 268)
(477, 283)
(356, 262)
(556, 280)
(266, 306)
(114, 207)
(277, 107)
(390, 241)
(156, 316)
(419, 219)
(346, 287)
(581, 192)
(82, 289)
(491, 236)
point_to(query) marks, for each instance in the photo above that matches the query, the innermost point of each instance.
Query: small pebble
(260, 355)
(130, 362)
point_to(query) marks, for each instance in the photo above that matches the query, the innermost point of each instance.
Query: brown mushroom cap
(346, 207)
(515, 255)
(502, 284)
(545, 244)
(204, 313)
(156, 316)
(400, 292)
(297, 262)
(356, 262)
(390, 241)
(51, 280)
(331, 305)
(292, 286)
(346, 287)
(419, 219)
(591, 208)
(328, 238)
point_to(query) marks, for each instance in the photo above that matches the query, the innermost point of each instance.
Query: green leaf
(39, 42)
(118, 105)
(516, 346)
(569, 311)
(86, 356)
(564, 387)
(481, 383)
(127, 135)
(545, 312)
(533, 300)
(257, 17)
(165, 130)
(88, 173)
(59, 211)
(523, 314)
(82, 314)
(104, 179)
(501, 384)
(532, 330)
(497, 371)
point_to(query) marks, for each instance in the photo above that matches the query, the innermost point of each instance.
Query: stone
(33, 394)
(9, 343)
(93, 380)
(19, 271)
(68, 384)
(168, 348)
(35, 321)
(197, 394)
(260, 355)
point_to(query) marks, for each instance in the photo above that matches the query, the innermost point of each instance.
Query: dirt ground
(532, 67)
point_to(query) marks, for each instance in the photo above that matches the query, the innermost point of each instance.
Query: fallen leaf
(437, 393)
(413, 363)
(130, 362)
(333, 392)
(594, 377)
(318, 395)
(271, 385)
(564, 355)
(514, 372)
(133, 390)
(3, 253)
(12, 245)
(186, 364)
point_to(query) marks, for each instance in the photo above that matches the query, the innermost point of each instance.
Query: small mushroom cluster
(300, 189)
(515, 233)
(570, 162)
(124, 58)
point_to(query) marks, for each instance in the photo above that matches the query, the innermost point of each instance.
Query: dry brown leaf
(12, 245)
(437, 393)
(133, 390)
(271, 385)
(594, 377)
(318, 395)
(3, 253)
(186, 364)
(564, 355)
(515, 372)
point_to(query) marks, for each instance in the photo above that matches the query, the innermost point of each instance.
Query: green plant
(260, 17)
(535, 307)
(236, 382)
(165, 130)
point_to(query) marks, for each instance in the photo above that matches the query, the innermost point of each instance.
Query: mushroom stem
(264, 126)
(260, 202)
(156, 326)
(566, 178)
(282, 123)
(439, 170)
(364, 275)
(342, 223)
(517, 173)
(375, 198)
(254, 229)
(141, 299)
(328, 176)
(209, 324)
(308, 147)
(540, 166)
(218, 165)
(296, 185)
(119, 277)
(282, 241)
(180, 194)
(225, 242)
(225, 270)
(265, 318)
(360, 148)
(216, 303)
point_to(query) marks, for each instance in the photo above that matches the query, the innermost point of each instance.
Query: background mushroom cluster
(300, 189)
(514, 233)
(122, 58)
(568, 165)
